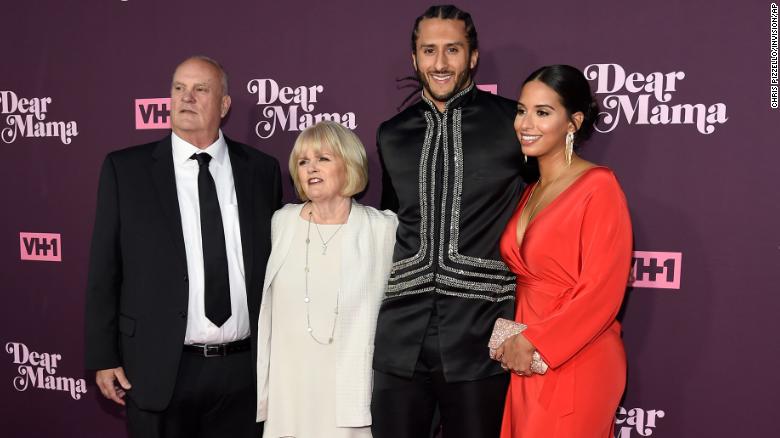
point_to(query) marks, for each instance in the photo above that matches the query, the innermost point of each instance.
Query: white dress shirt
(200, 330)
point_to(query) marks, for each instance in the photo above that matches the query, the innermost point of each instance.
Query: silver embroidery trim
(455, 211)
(449, 101)
(454, 219)
(410, 292)
(422, 196)
(498, 277)
(492, 298)
(453, 254)
(397, 287)
(474, 285)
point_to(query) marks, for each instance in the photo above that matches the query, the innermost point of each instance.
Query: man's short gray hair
(223, 77)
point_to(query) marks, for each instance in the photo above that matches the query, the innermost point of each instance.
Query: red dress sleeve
(591, 306)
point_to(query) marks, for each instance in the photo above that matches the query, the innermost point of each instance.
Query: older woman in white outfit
(323, 286)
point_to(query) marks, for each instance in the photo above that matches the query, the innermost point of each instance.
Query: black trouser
(214, 397)
(404, 408)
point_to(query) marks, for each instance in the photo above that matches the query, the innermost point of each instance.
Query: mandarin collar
(458, 100)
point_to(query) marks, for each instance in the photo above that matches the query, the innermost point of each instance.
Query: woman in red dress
(569, 242)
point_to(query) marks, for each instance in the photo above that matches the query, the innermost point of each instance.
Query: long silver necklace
(307, 298)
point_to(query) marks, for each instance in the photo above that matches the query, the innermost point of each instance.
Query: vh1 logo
(658, 270)
(490, 88)
(45, 247)
(153, 113)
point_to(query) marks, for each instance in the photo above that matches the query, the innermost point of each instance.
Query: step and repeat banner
(689, 94)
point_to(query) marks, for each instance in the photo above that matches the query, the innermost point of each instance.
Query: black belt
(216, 350)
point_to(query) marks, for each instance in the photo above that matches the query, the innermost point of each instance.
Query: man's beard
(461, 81)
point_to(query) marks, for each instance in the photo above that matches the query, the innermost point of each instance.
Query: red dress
(572, 268)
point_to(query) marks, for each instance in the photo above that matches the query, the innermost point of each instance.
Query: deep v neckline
(531, 221)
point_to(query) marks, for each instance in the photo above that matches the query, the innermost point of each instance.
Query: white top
(362, 270)
(199, 329)
(302, 392)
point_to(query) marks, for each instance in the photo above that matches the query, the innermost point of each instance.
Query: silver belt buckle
(213, 350)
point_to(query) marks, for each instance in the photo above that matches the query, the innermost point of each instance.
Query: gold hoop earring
(569, 147)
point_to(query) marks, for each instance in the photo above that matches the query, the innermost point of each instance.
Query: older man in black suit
(180, 244)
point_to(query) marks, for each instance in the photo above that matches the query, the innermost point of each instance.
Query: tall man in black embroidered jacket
(451, 170)
(180, 244)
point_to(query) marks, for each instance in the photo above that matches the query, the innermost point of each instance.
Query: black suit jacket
(137, 291)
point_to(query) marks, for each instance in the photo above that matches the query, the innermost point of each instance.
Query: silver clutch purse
(503, 329)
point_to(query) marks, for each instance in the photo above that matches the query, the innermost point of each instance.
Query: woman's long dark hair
(575, 93)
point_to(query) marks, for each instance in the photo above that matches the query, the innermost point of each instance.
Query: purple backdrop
(690, 133)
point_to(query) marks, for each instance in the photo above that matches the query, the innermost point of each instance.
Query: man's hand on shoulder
(113, 383)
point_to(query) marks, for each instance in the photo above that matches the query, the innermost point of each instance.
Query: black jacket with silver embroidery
(454, 178)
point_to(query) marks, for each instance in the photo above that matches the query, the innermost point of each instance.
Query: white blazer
(366, 258)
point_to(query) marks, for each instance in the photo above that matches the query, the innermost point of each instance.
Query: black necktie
(217, 284)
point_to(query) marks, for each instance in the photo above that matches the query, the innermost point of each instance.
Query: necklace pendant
(324, 249)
